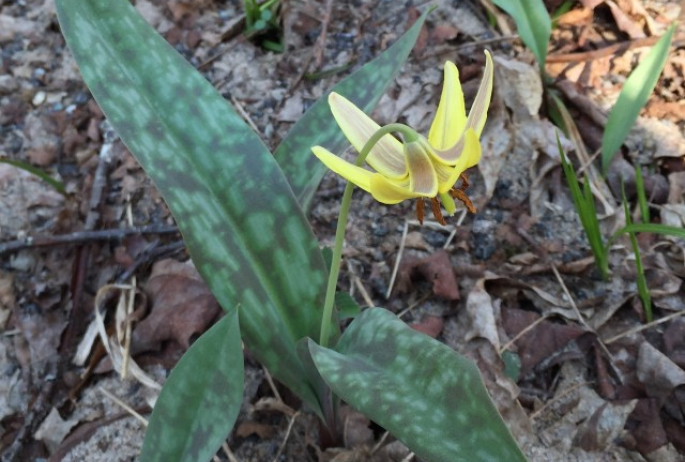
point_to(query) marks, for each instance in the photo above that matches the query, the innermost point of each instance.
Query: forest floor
(570, 360)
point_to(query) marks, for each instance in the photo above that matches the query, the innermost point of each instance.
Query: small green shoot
(642, 288)
(561, 10)
(585, 206)
(262, 24)
(633, 97)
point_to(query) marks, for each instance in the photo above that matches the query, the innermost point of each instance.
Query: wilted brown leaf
(431, 326)
(436, 268)
(182, 307)
(657, 372)
(541, 341)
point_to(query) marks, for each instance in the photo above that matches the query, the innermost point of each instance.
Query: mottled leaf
(240, 220)
(317, 127)
(201, 399)
(633, 97)
(424, 393)
(532, 23)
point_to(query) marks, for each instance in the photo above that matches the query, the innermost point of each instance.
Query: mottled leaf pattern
(420, 390)
(204, 392)
(317, 127)
(242, 225)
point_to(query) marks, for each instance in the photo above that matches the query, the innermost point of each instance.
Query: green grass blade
(56, 185)
(201, 399)
(641, 195)
(585, 207)
(656, 228)
(642, 288)
(421, 391)
(533, 24)
(240, 220)
(317, 127)
(633, 97)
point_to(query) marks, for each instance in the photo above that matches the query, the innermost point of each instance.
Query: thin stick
(610, 50)
(453, 233)
(358, 284)
(123, 405)
(82, 237)
(601, 344)
(244, 114)
(635, 330)
(409, 457)
(415, 304)
(557, 398)
(287, 435)
(378, 445)
(272, 385)
(403, 240)
(228, 452)
(522, 333)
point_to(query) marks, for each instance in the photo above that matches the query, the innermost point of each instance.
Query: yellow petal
(386, 156)
(357, 175)
(422, 177)
(470, 155)
(390, 191)
(479, 109)
(450, 117)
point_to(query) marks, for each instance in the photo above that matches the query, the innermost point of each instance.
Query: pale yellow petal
(479, 109)
(422, 177)
(357, 175)
(470, 155)
(390, 191)
(386, 156)
(450, 117)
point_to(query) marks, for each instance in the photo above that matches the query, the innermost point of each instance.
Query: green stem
(326, 320)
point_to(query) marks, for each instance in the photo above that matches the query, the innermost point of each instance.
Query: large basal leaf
(201, 398)
(633, 97)
(239, 218)
(424, 393)
(532, 23)
(317, 127)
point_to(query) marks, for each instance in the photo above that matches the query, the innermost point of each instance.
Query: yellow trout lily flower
(417, 167)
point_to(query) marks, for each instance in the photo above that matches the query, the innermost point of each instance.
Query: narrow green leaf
(317, 127)
(642, 288)
(201, 399)
(585, 207)
(633, 97)
(423, 392)
(56, 185)
(533, 24)
(242, 225)
(641, 194)
(650, 228)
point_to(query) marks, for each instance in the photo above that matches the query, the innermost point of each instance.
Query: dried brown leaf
(657, 372)
(541, 341)
(436, 268)
(182, 307)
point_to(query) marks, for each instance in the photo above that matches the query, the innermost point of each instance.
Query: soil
(571, 361)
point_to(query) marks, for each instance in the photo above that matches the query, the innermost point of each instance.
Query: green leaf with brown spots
(424, 393)
(201, 398)
(364, 87)
(240, 220)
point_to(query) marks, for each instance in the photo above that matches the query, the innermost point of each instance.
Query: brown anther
(464, 182)
(461, 196)
(435, 204)
(419, 209)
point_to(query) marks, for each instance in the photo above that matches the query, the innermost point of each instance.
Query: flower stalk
(326, 320)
